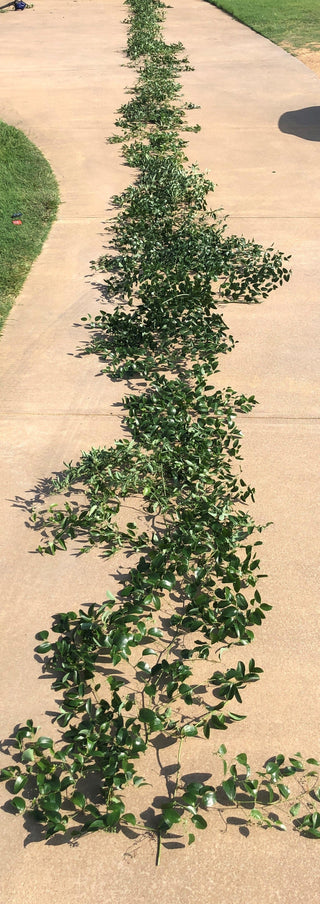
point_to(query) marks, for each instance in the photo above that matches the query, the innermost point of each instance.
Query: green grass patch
(294, 22)
(27, 186)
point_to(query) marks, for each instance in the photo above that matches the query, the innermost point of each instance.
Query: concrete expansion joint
(78, 220)
(45, 414)
(279, 417)
(272, 418)
(272, 216)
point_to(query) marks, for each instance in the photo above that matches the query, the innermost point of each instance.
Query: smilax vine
(128, 670)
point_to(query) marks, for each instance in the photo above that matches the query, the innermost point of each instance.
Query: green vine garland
(192, 592)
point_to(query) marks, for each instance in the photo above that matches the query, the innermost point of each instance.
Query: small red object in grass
(17, 222)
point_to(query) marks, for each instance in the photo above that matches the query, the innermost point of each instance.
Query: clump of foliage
(27, 186)
(127, 670)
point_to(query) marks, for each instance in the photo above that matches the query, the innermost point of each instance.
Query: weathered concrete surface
(64, 95)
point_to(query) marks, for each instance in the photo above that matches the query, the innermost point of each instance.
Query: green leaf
(168, 583)
(188, 803)
(6, 774)
(198, 821)
(191, 838)
(130, 818)
(295, 809)
(43, 647)
(78, 800)
(144, 666)
(297, 764)
(242, 759)
(138, 744)
(114, 814)
(170, 815)
(284, 790)
(209, 799)
(28, 755)
(256, 814)
(44, 743)
(20, 782)
(93, 810)
(138, 781)
(149, 717)
(150, 689)
(194, 788)
(189, 731)
(229, 787)
(19, 804)
(66, 782)
(94, 825)
(279, 825)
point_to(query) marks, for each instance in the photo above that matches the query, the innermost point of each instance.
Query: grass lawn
(27, 186)
(293, 22)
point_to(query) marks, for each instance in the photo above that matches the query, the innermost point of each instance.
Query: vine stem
(178, 766)
(159, 847)
(159, 837)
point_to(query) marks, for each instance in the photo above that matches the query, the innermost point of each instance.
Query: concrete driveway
(62, 80)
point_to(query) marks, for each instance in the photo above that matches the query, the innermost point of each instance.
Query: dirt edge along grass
(28, 189)
(192, 596)
(294, 23)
